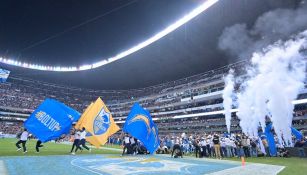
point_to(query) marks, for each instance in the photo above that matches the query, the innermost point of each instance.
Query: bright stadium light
(203, 7)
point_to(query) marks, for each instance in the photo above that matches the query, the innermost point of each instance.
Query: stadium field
(101, 161)
(8, 148)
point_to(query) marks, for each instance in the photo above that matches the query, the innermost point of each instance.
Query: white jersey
(248, 142)
(203, 143)
(132, 140)
(127, 140)
(77, 135)
(24, 136)
(223, 144)
(211, 142)
(227, 142)
(232, 143)
(208, 142)
(83, 134)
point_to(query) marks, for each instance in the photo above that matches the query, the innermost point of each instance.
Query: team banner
(82, 118)
(141, 126)
(80, 124)
(73, 114)
(98, 122)
(51, 120)
(4, 74)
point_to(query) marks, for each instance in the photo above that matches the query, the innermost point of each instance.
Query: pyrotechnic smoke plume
(277, 70)
(240, 41)
(227, 97)
(275, 78)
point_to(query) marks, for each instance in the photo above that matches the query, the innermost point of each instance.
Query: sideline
(249, 168)
(252, 169)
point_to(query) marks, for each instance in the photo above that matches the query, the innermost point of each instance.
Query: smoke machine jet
(274, 80)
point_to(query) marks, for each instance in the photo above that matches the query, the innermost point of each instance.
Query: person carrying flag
(23, 139)
(76, 142)
(126, 144)
(82, 141)
(177, 147)
(38, 145)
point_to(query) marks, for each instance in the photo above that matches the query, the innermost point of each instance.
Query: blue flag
(141, 126)
(298, 135)
(51, 120)
(4, 74)
(72, 114)
(270, 139)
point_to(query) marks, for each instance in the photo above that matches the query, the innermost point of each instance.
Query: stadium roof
(69, 33)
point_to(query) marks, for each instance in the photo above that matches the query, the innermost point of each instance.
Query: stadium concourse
(187, 109)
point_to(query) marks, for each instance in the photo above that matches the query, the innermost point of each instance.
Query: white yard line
(251, 169)
(3, 170)
(87, 169)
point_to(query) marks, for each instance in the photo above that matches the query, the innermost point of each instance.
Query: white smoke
(242, 41)
(227, 97)
(276, 76)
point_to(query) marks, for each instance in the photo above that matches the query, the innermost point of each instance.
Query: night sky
(77, 32)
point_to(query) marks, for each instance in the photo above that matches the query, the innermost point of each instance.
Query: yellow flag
(82, 118)
(98, 122)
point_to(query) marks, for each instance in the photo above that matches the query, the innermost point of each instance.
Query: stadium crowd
(10, 127)
(215, 145)
(224, 145)
(23, 93)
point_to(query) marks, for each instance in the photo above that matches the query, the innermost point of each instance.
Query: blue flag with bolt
(140, 125)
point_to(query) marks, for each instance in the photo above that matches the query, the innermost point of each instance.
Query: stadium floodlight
(85, 67)
(203, 7)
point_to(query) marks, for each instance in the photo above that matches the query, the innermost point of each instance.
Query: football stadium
(114, 87)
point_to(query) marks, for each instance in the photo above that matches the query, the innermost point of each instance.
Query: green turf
(292, 165)
(8, 148)
(112, 146)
